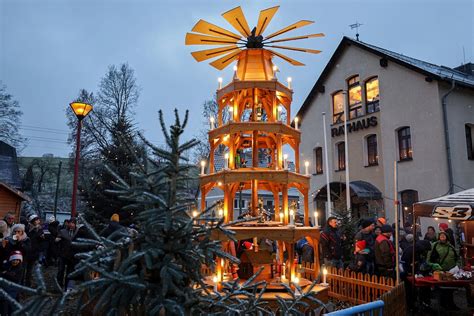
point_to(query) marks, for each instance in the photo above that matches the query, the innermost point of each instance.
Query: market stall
(455, 208)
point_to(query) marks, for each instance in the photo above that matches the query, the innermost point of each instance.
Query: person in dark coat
(331, 244)
(431, 234)
(367, 233)
(114, 226)
(67, 251)
(36, 235)
(18, 241)
(385, 253)
(12, 271)
(53, 251)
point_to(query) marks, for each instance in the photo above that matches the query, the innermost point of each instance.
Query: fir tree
(156, 271)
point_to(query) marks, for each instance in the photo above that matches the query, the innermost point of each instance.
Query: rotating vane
(232, 44)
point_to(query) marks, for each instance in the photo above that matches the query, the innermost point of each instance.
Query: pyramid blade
(303, 50)
(198, 39)
(264, 19)
(223, 62)
(296, 38)
(291, 27)
(205, 27)
(237, 19)
(211, 53)
(286, 58)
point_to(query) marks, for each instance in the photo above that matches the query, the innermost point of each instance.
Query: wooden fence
(358, 288)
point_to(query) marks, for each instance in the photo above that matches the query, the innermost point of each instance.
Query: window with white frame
(338, 107)
(372, 151)
(372, 95)
(355, 97)
(405, 151)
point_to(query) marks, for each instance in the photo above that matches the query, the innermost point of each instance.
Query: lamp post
(80, 110)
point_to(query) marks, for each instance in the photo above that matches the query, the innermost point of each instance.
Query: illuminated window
(372, 156)
(469, 141)
(318, 158)
(355, 97)
(338, 108)
(341, 156)
(372, 95)
(404, 144)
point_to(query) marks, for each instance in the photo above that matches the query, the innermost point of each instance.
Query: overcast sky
(49, 49)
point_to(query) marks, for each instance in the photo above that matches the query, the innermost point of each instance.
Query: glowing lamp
(81, 109)
(306, 167)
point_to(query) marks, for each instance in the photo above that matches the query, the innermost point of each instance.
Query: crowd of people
(48, 243)
(374, 251)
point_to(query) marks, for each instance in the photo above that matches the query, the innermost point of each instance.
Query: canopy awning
(365, 190)
(457, 206)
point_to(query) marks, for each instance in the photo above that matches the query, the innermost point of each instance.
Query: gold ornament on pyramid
(233, 44)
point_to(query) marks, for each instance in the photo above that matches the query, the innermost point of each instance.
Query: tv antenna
(356, 26)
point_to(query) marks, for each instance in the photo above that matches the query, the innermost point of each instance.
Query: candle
(212, 120)
(281, 217)
(221, 212)
(285, 161)
(195, 214)
(235, 71)
(226, 161)
(203, 166)
(306, 167)
(296, 122)
(296, 280)
(275, 69)
(325, 273)
(215, 280)
(292, 217)
(220, 82)
(316, 224)
(280, 109)
(289, 79)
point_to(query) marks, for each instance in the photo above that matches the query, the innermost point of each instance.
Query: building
(10, 183)
(399, 109)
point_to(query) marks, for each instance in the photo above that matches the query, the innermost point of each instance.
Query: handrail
(368, 307)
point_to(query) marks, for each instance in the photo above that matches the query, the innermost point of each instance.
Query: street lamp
(80, 110)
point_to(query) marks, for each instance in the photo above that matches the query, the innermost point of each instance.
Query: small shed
(10, 200)
(251, 262)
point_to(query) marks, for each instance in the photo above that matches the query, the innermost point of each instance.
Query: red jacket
(384, 252)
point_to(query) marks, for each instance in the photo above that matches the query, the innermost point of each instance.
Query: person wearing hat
(367, 233)
(12, 271)
(36, 235)
(331, 244)
(380, 222)
(444, 227)
(17, 241)
(113, 226)
(385, 253)
(444, 257)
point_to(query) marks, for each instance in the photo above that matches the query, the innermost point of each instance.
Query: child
(13, 271)
(360, 261)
